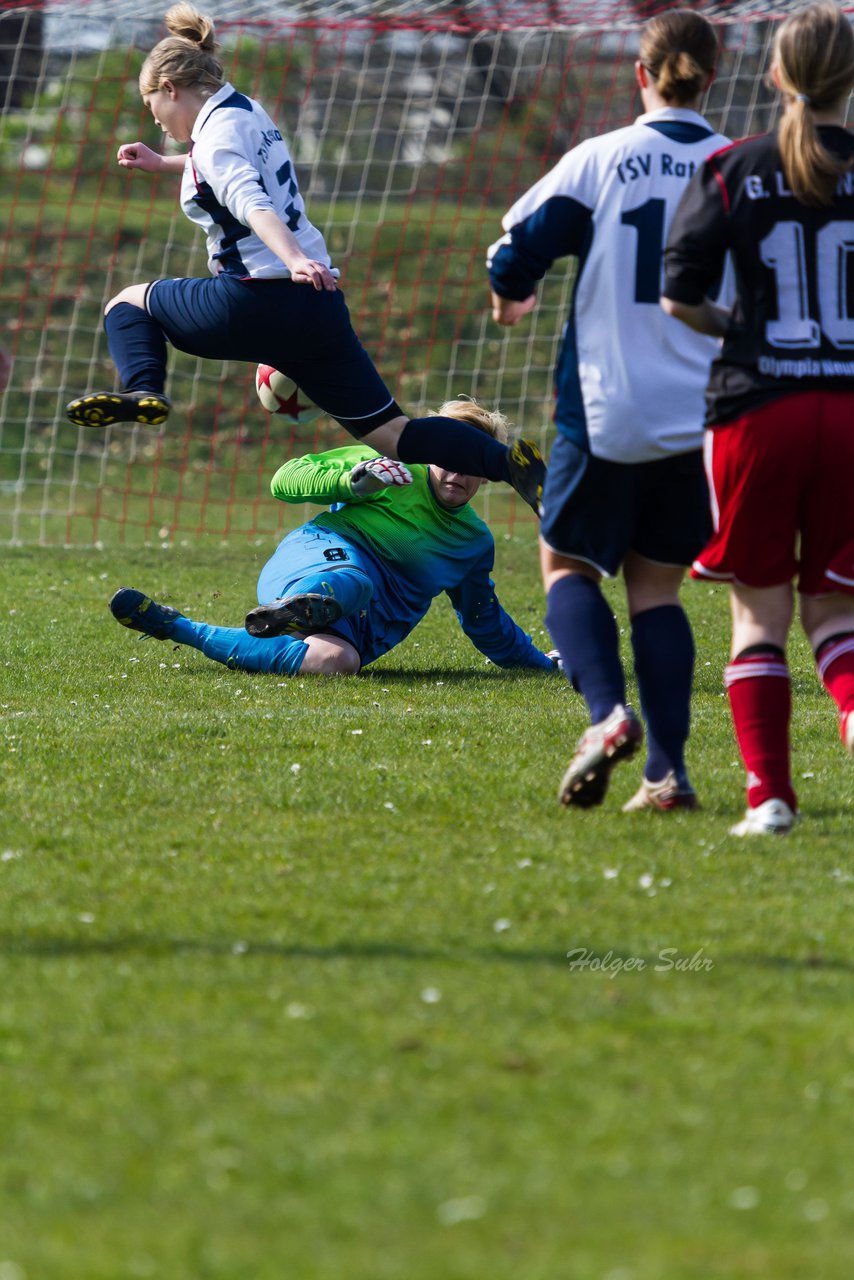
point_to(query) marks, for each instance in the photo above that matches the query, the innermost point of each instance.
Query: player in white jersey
(272, 296)
(629, 391)
(229, 128)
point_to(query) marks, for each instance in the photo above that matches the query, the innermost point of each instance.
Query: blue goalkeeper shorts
(310, 550)
(307, 551)
(303, 332)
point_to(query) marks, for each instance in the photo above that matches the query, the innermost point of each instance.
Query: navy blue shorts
(303, 332)
(597, 511)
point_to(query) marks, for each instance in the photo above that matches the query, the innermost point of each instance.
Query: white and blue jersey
(249, 309)
(630, 379)
(239, 162)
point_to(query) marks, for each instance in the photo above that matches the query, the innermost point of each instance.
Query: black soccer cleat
(139, 612)
(307, 613)
(103, 408)
(527, 472)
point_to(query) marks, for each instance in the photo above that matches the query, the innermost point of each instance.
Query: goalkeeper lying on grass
(341, 591)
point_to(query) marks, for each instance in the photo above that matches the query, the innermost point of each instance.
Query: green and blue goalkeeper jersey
(418, 548)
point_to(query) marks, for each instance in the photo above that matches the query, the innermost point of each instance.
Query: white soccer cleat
(375, 474)
(772, 818)
(599, 749)
(665, 795)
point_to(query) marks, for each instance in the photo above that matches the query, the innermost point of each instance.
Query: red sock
(835, 661)
(760, 698)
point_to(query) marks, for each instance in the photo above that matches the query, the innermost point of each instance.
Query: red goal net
(413, 127)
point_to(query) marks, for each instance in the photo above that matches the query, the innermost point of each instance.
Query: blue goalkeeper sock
(664, 665)
(350, 587)
(454, 446)
(137, 346)
(235, 648)
(584, 631)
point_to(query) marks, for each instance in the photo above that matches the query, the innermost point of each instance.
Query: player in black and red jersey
(780, 401)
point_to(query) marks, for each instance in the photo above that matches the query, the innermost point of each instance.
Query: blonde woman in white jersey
(271, 297)
(626, 487)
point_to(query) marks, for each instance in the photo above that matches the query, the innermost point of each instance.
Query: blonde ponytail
(187, 23)
(814, 57)
(187, 57)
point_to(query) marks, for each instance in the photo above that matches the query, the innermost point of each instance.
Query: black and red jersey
(792, 326)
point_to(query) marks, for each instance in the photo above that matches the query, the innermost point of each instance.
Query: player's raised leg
(455, 446)
(138, 348)
(325, 358)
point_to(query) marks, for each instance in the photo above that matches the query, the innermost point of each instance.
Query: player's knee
(824, 616)
(134, 294)
(329, 656)
(386, 438)
(642, 597)
(346, 664)
(554, 571)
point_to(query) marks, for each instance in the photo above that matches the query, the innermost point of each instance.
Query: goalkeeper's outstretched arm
(339, 475)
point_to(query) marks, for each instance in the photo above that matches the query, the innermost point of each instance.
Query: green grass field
(284, 988)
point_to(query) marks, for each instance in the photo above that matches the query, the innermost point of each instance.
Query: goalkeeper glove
(375, 474)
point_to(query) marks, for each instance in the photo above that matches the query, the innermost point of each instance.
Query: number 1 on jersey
(648, 221)
(783, 251)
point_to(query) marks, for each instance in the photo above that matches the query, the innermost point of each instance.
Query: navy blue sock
(350, 587)
(235, 648)
(454, 446)
(137, 346)
(664, 665)
(584, 631)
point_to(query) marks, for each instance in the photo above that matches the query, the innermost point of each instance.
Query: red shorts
(782, 488)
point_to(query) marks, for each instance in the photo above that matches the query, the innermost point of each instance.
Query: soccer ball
(280, 394)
